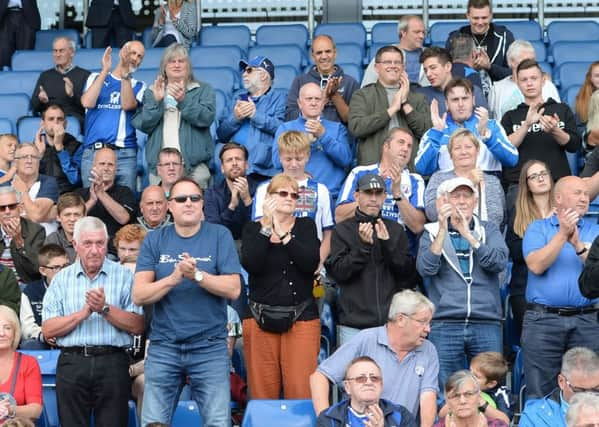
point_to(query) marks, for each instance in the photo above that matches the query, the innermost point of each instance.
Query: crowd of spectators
(408, 197)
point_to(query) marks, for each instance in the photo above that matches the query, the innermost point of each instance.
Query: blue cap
(259, 62)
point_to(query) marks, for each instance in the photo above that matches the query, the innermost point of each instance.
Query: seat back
(439, 31)
(574, 51)
(152, 58)
(18, 82)
(583, 30)
(31, 60)
(14, 106)
(540, 50)
(187, 414)
(524, 30)
(384, 33)
(352, 53)
(284, 76)
(220, 35)
(342, 32)
(223, 78)
(5, 126)
(354, 70)
(282, 34)
(280, 55)
(570, 73)
(276, 413)
(45, 38)
(216, 56)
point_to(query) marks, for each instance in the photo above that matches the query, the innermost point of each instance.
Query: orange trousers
(281, 360)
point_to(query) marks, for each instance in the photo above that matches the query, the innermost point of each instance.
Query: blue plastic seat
(45, 38)
(384, 33)
(350, 32)
(284, 76)
(569, 95)
(280, 55)
(216, 56)
(91, 59)
(282, 34)
(276, 413)
(374, 48)
(574, 51)
(223, 78)
(540, 50)
(18, 82)
(31, 60)
(5, 126)
(570, 73)
(583, 30)
(152, 58)
(28, 126)
(547, 68)
(187, 414)
(524, 30)
(50, 406)
(14, 106)
(357, 72)
(327, 326)
(222, 103)
(439, 31)
(147, 75)
(220, 35)
(350, 53)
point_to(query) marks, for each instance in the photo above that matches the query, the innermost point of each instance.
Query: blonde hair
(281, 180)
(11, 317)
(176, 50)
(492, 364)
(593, 119)
(462, 133)
(583, 97)
(293, 141)
(526, 208)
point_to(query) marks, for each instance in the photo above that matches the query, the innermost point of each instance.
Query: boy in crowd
(70, 208)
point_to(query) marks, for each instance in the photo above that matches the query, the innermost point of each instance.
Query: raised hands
(107, 59)
(439, 122)
(482, 114)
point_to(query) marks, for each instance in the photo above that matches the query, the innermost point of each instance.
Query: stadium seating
(547, 68)
(216, 56)
(45, 38)
(357, 72)
(559, 31)
(343, 32)
(327, 326)
(146, 38)
(187, 414)
(540, 50)
(18, 82)
(147, 75)
(350, 53)
(384, 33)
(574, 51)
(14, 106)
(91, 59)
(284, 76)
(6, 126)
(282, 34)
(223, 78)
(152, 58)
(28, 126)
(281, 55)
(221, 103)
(569, 95)
(439, 31)
(31, 60)
(221, 35)
(524, 30)
(570, 73)
(271, 413)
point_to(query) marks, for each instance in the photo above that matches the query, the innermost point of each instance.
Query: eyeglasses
(466, 395)
(362, 379)
(170, 164)
(11, 207)
(249, 70)
(56, 267)
(389, 62)
(581, 389)
(537, 176)
(195, 198)
(284, 194)
(27, 157)
(419, 321)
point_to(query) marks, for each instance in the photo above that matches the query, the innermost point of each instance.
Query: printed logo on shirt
(168, 259)
(306, 204)
(537, 127)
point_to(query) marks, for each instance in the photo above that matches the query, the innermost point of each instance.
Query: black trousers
(99, 383)
(114, 34)
(15, 34)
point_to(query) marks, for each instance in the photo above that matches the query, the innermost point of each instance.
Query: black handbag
(277, 318)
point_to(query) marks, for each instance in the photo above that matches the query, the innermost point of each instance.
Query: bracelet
(582, 251)
(482, 408)
(283, 236)
(398, 198)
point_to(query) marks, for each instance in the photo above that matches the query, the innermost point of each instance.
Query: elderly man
(70, 208)
(330, 151)
(363, 384)
(404, 201)
(229, 202)
(60, 151)
(21, 238)
(583, 410)
(114, 204)
(386, 104)
(63, 84)
(187, 270)
(463, 53)
(255, 116)
(111, 98)
(39, 192)
(492, 42)
(337, 86)
(412, 32)
(579, 373)
(506, 95)
(153, 209)
(557, 316)
(495, 148)
(170, 168)
(401, 350)
(462, 257)
(88, 309)
(363, 247)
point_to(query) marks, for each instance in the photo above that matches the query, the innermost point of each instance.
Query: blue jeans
(126, 171)
(545, 339)
(205, 362)
(458, 342)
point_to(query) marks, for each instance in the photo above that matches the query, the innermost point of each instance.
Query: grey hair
(404, 22)
(88, 223)
(10, 190)
(70, 41)
(409, 302)
(462, 46)
(581, 359)
(9, 314)
(516, 49)
(579, 403)
(24, 145)
(457, 380)
(176, 50)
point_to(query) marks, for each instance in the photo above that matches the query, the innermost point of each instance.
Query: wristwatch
(266, 231)
(105, 310)
(482, 408)
(127, 76)
(198, 276)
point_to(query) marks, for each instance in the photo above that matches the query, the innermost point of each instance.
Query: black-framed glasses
(284, 194)
(362, 379)
(195, 198)
(56, 267)
(581, 389)
(11, 207)
(538, 175)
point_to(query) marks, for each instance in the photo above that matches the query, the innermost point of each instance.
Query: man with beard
(229, 202)
(255, 116)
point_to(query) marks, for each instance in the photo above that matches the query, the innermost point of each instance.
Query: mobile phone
(244, 97)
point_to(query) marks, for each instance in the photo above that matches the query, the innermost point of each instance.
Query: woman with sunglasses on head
(534, 201)
(281, 331)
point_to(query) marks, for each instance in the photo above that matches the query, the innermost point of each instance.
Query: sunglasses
(284, 194)
(362, 379)
(10, 207)
(195, 198)
(249, 70)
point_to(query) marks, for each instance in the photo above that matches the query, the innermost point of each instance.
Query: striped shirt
(66, 295)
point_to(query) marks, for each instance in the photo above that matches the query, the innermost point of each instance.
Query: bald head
(571, 192)
(131, 55)
(311, 101)
(153, 205)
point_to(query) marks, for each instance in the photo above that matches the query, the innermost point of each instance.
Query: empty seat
(357, 72)
(524, 30)
(575, 52)
(152, 58)
(18, 82)
(31, 60)
(350, 53)
(569, 95)
(147, 75)
(5, 126)
(215, 56)
(45, 38)
(223, 78)
(540, 50)
(439, 31)
(558, 31)
(384, 33)
(221, 35)
(91, 59)
(284, 76)
(276, 413)
(187, 414)
(343, 32)
(280, 55)
(570, 73)
(282, 34)
(14, 106)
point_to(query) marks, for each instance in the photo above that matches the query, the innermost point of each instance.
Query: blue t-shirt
(188, 312)
(48, 188)
(558, 285)
(108, 122)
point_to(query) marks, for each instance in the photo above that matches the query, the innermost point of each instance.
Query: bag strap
(15, 373)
